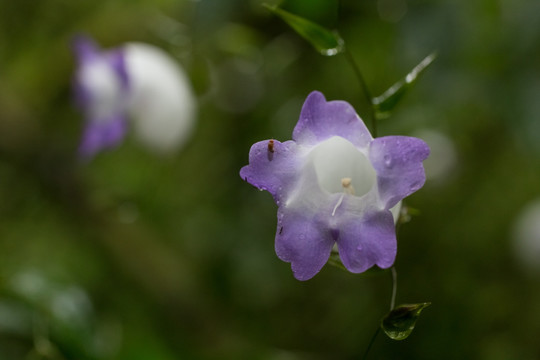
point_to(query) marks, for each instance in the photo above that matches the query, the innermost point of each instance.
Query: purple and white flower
(135, 85)
(335, 184)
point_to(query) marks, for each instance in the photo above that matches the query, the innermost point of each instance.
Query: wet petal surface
(273, 166)
(398, 163)
(303, 240)
(321, 119)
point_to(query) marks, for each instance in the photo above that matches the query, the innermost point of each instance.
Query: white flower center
(341, 167)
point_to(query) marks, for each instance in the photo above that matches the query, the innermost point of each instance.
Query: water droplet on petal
(388, 161)
(302, 236)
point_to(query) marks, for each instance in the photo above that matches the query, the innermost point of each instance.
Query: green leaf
(326, 42)
(385, 103)
(399, 323)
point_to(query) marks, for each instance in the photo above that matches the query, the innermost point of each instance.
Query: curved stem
(392, 305)
(364, 357)
(365, 90)
(394, 288)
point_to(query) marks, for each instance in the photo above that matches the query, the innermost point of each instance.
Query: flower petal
(117, 60)
(85, 51)
(398, 163)
(272, 167)
(162, 105)
(368, 241)
(84, 48)
(102, 134)
(303, 241)
(320, 120)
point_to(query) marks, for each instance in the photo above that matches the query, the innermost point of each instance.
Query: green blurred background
(135, 256)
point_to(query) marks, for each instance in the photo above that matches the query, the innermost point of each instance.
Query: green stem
(365, 90)
(394, 288)
(371, 342)
(392, 305)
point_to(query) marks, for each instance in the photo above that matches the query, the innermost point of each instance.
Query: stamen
(346, 183)
(338, 203)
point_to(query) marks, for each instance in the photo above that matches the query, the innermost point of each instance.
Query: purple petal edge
(368, 241)
(84, 48)
(398, 163)
(117, 60)
(272, 166)
(99, 135)
(321, 119)
(87, 51)
(303, 242)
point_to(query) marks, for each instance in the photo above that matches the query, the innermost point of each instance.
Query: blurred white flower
(161, 104)
(526, 237)
(136, 85)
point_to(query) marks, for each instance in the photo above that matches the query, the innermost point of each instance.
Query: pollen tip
(346, 182)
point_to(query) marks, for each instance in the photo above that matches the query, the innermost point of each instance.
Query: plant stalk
(365, 90)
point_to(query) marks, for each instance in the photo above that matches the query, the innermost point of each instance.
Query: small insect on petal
(270, 149)
(271, 145)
